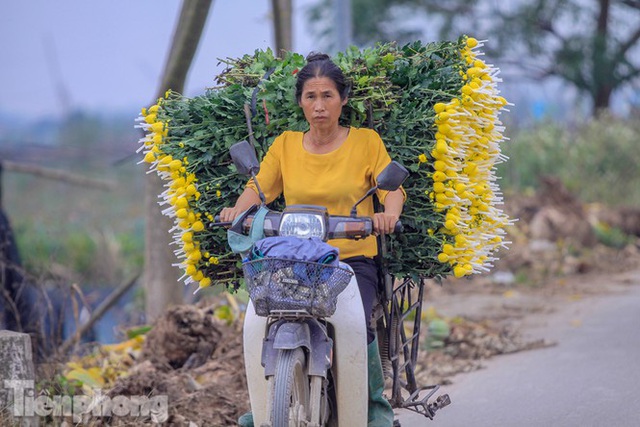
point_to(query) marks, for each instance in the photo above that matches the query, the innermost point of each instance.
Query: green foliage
(612, 236)
(93, 236)
(598, 160)
(76, 250)
(57, 385)
(130, 249)
(92, 257)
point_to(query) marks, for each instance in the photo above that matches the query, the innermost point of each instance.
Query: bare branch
(160, 276)
(185, 41)
(282, 25)
(97, 314)
(59, 175)
(635, 72)
(631, 41)
(634, 4)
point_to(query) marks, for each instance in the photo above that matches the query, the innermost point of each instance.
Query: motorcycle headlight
(303, 224)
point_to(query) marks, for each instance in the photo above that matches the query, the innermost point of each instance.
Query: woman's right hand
(247, 199)
(229, 214)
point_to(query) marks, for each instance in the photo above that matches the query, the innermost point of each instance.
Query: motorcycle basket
(284, 284)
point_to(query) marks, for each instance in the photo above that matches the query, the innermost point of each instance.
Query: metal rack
(404, 307)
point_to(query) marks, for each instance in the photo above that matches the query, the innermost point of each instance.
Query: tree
(598, 55)
(593, 45)
(160, 276)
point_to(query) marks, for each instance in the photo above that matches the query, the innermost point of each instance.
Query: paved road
(590, 378)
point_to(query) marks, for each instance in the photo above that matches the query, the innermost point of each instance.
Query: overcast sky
(110, 54)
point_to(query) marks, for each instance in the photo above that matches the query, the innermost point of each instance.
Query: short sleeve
(270, 174)
(380, 160)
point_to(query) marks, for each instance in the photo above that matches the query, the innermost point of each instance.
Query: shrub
(597, 160)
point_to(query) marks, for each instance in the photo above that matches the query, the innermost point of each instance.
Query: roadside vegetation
(597, 160)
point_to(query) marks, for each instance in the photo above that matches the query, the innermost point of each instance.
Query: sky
(59, 55)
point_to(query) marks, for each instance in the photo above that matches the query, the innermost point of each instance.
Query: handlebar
(338, 227)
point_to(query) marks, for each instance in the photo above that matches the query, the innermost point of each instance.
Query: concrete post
(17, 375)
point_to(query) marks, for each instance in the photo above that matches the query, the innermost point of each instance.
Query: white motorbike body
(349, 366)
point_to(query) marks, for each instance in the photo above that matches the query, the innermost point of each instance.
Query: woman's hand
(247, 199)
(229, 214)
(384, 223)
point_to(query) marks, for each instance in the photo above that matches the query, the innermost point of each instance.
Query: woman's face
(321, 102)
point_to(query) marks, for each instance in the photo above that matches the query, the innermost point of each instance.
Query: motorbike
(304, 331)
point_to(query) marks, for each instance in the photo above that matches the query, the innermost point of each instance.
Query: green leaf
(141, 330)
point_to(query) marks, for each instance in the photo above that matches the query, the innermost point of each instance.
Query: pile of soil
(468, 345)
(197, 362)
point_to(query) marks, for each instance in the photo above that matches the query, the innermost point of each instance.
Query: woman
(333, 166)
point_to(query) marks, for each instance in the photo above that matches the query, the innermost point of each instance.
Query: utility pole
(282, 25)
(344, 27)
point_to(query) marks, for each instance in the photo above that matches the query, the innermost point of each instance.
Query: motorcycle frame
(399, 302)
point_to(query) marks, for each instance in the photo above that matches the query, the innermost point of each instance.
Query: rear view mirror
(392, 177)
(245, 158)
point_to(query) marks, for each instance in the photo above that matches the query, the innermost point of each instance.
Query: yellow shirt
(336, 180)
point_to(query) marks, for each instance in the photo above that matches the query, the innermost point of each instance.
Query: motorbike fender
(310, 335)
(321, 350)
(283, 335)
(292, 335)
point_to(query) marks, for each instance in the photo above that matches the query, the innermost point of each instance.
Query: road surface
(590, 378)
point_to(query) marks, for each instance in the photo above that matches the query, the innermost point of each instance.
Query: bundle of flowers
(435, 105)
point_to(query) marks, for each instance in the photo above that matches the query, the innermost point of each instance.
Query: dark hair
(320, 65)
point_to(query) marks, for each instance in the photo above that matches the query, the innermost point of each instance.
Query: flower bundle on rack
(435, 105)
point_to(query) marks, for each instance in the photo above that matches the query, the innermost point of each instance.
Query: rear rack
(406, 306)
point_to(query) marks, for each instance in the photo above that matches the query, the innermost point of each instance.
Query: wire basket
(284, 284)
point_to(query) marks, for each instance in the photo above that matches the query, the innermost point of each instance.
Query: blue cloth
(294, 248)
(312, 250)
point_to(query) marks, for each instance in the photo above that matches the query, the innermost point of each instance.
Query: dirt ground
(555, 255)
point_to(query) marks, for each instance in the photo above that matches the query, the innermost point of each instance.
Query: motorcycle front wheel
(291, 405)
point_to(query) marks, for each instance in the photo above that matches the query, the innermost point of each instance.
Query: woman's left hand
(384, 223)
